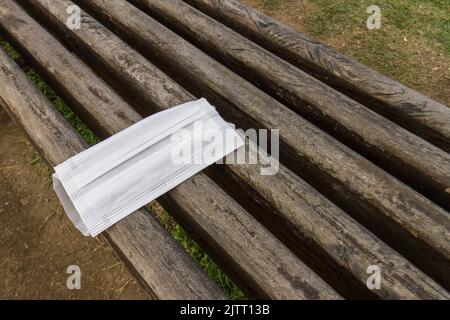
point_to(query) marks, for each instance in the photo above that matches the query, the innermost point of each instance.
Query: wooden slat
(306, 214)
(418, 113)
(408, 221)
(303, 217)
(258, 261)
(404, 154)
(161, 265)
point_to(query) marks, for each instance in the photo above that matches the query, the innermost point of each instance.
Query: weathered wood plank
(395, 149)
(296, 202)
(257, 260)
(161, 265)
(302, 217)
(416, 112)
(408, 221)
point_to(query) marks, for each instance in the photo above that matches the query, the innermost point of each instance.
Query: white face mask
(114, 178)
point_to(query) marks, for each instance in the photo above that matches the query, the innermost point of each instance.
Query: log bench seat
(364, 175)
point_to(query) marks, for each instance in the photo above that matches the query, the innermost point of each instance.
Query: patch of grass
(9, 49)
(177, 232)
(35, 158)
(388, 58)
(332, 17)
(273, 4)
(409, 29)
(412, 46)
(426, 18)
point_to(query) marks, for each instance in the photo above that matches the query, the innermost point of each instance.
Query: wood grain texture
(259, 262)
(161, 265)
(343, 242)
(397, 150)
(303, 217)
(405, 219)
(416, 112)
(35, 44)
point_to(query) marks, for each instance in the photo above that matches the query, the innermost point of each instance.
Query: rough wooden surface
(411, 158)
(302, 217)
(160, 264)
(257, 260)
(23, 32)
(413, 110)
(406, 220)
(305, 211)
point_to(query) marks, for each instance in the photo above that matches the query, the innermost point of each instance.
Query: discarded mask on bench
(105, 183)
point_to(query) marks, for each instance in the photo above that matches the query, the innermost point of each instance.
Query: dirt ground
(38, 243)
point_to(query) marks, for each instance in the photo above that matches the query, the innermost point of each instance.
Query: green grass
(412, 46)
(273, 4)
(176, 231)
(35, 158)
(386, 49)
(425, 18)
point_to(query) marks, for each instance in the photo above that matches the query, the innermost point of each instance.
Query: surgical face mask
(114, 178)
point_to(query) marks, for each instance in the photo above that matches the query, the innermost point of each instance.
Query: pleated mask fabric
(107, 182)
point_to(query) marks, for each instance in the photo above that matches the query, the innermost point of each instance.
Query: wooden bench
(355, 188)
